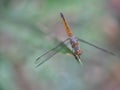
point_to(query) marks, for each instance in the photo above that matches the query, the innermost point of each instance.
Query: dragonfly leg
(77, 57)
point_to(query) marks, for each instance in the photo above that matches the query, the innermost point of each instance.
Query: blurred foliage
(28, 28)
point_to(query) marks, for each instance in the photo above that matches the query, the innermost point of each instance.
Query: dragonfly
(75, 49)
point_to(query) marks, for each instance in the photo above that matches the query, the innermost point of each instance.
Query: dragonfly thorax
(75, 45)
(73, 39)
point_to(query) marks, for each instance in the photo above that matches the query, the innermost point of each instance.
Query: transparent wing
(46, 56)
(104, 50)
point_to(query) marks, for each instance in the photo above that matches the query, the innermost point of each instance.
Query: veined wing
(46, 56)
(104, 50)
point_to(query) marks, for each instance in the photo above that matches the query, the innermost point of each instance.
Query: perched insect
(76, 50)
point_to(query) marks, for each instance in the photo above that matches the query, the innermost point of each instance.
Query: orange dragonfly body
(73, 40)
(76, 51)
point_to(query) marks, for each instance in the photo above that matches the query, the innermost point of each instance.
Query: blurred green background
(28, 28)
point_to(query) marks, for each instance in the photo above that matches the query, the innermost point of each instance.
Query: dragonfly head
(78, 52)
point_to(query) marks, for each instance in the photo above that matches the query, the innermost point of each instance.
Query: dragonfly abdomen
(68, 31)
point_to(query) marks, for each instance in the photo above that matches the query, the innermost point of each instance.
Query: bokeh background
(28, 28)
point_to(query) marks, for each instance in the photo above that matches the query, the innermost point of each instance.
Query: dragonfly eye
(78, 52)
